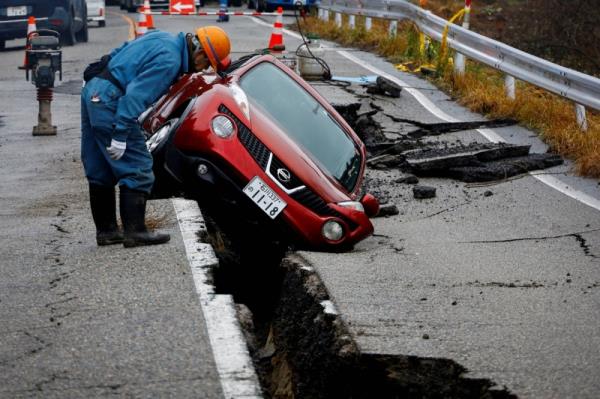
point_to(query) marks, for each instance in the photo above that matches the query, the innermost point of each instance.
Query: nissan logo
(284, 175)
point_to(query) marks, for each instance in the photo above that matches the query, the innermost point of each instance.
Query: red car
(263, 141)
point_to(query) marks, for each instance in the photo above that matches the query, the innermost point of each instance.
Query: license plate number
(263, 196)
(16, 11)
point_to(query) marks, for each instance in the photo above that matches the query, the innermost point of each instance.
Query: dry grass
(481, 88)
(552, 116)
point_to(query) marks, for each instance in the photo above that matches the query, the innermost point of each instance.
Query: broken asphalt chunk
(437, 159)
(423, 192)
(505, 168)
(385, 87)
(386, 161)
(407, 179)
(435, 129)
(388, 210)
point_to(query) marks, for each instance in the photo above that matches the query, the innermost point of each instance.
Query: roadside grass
(481, 88)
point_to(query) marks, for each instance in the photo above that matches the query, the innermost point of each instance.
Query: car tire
(101, 24)
(67, 37)
(251, 5)
(2, 44)
(83, 34)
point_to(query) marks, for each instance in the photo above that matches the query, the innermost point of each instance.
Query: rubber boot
(104, 213)
(133, 215)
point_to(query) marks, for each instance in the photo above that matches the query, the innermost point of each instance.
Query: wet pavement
(77, 320)
(500, 277)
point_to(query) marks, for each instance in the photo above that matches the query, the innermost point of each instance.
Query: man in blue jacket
(113, 148)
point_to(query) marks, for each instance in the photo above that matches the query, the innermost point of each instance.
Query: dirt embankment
(562, 31)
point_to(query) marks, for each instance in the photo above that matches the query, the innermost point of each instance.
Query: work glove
(116, 149)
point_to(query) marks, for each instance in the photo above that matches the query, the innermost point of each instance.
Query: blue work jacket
(145, 67)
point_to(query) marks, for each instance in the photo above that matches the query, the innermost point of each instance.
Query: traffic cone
(147, 11)
(223, 9)
(31, 27)
(277, 34)
(142, 27)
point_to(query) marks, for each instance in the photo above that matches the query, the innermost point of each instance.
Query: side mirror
(370, 204)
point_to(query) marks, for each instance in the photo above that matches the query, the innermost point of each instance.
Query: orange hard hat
(216, 45)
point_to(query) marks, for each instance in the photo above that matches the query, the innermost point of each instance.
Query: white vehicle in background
(96, 11)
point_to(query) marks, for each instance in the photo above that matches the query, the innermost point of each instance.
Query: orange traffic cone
(277, 34)
(30, 28)
(142, 27)
(147, 11)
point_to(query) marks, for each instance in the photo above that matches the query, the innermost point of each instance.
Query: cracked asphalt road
(77, 320)
(500, 277)
(506, 285)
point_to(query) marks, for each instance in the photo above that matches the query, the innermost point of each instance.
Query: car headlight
(332, 230)
(158, 137)
(143, 115)
(353, 205)
(222, 126)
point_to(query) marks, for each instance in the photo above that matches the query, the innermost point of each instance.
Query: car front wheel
(83, 34)
(67, 37)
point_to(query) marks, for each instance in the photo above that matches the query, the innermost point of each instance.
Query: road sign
(182, 6)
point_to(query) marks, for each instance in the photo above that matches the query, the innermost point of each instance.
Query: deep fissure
(299, 348)
(472, 162)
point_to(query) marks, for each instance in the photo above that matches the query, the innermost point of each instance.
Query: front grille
(255, 147)
(276, 164)
(313, 202)
(261, 153)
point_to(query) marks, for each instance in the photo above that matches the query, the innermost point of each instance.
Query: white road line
(564, 188)
(236, 372)
(489, 134)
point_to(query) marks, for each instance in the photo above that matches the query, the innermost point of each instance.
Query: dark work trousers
(99, 100)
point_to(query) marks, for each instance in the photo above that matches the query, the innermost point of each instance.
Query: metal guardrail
(576, 86)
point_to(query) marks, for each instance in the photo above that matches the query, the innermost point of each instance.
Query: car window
(304, 119)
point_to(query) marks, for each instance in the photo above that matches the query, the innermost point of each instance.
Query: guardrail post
(324, 14)
(368, 23)
(393, 28)
(352, 21)
(423, 41)
(459, 59)
(338, 19)
(459, 64)
(509, 87)
(581, 117)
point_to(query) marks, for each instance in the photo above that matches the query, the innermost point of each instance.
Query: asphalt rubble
(300, 345)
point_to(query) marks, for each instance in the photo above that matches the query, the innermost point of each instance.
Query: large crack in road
(299, 344)
(472, 162)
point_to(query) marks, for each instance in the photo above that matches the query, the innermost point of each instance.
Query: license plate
(16, 11)
(264, 197)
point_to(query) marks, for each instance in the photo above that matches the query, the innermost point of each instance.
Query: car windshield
(305, 120)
